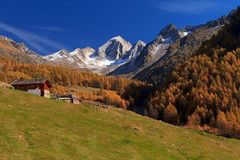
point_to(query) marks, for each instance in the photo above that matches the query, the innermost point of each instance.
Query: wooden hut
(40, 87)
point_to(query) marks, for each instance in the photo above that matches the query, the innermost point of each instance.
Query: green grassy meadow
(32, 127)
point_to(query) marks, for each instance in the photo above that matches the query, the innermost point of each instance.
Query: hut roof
(31, 81)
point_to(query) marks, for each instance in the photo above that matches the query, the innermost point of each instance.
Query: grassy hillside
(36, 128)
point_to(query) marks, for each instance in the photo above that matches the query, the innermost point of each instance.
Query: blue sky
(50, 25)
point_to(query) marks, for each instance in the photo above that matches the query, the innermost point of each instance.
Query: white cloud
(38, 42)
(50, 28)
(189, 6)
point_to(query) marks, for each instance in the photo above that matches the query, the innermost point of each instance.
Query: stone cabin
(40, 87)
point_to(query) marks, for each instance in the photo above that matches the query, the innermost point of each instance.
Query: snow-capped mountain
(81, 56)
(57, 56)
(151, 52)
(78, 58)
(82, 53)
(113, 49)
(112, 54)
(135, 50)
(118, 52)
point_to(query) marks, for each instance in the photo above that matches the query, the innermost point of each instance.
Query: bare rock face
(135, 50)
(113, 49)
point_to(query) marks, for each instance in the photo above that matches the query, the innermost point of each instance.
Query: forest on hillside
(117, 91)
(203, 93)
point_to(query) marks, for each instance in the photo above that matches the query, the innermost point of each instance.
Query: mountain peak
(121, 40)
(56, 55)
(170, 33)
(140, 43)
(63, 51)
(88, 48)
(118, 38)
(82, 51)
(135, 50)
(113, 49)
(168, 28)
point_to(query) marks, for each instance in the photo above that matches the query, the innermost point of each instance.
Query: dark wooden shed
(39, 87)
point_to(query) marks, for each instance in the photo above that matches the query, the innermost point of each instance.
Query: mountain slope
(18, 51)
(180, 51)
(37, 128)
(204, 92)
(171, 46)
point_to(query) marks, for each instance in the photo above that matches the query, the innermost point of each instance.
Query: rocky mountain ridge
(171, 47)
